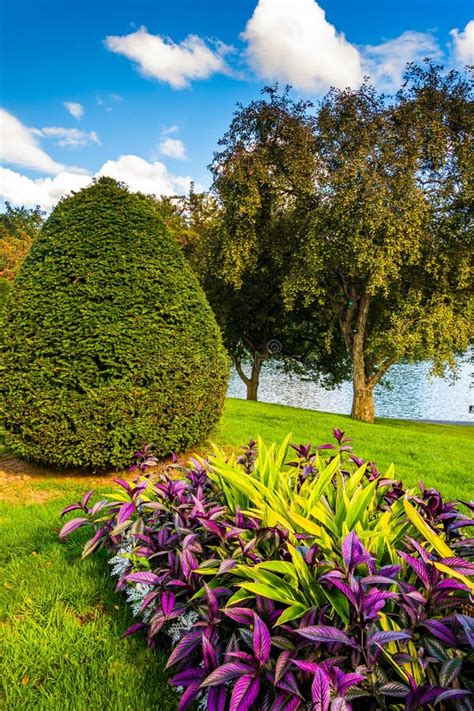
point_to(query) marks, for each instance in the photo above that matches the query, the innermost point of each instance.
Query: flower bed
(317, 583)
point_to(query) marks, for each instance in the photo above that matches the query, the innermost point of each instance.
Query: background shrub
(109, 341)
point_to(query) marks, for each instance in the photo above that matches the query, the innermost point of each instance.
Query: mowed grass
(440, 455)
(60, 624)
(60, 620)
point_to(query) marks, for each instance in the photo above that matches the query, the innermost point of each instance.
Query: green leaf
(292, 613)
(436, 541)
(304, 523)
(339, 602)
(238, 597)
(278, 566)
(276, 594)
(322, 483)
(449, 671)
(358, 506)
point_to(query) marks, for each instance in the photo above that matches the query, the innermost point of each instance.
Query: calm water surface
(413, 394)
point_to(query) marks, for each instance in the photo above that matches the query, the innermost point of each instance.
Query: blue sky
(85, 91)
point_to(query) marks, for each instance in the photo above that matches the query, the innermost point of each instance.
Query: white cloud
(140, 175)
(68, 137)
(169, 130)
(21, 190)
(160, 58)
(173, 148)
(18, 146)
(463, 44)
(386, 62)
(76, 110)
(291, 41)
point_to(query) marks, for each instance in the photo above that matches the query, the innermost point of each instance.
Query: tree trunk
(363, 403)
(363, 386)
(254, 380)
(363, 397)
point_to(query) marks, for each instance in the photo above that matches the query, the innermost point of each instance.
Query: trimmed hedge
(108, 341)
(5, 287)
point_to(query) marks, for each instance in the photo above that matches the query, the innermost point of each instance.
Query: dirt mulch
(21, 482)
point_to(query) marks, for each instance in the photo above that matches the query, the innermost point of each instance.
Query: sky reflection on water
(413, 394)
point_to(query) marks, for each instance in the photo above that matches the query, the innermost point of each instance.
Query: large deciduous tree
(389, 254)
(261, 208)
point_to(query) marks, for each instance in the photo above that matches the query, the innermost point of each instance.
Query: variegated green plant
(335, 496)
(328, 504)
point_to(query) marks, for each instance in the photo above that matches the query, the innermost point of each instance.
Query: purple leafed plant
(334, 629)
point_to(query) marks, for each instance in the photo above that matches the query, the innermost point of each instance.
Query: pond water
(413, 394)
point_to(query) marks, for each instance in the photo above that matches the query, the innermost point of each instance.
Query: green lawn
(440, 455)
(60, 623)
(60, 620)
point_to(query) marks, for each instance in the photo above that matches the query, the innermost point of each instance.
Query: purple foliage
(408, 614)
(443, 515)
(247, 459)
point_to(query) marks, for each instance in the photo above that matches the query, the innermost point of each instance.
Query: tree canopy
(345, 233)
(258, 213)
(389, 253)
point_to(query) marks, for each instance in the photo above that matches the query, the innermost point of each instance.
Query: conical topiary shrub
(108, 341)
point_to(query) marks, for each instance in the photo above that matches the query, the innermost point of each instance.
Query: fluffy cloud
(76, 110)
(20, 147)
(463, 44)
(173, 148)
(21, 190)
(140, 175)
(386, 62)
(68, 137)
(291, 41)
(161, 58)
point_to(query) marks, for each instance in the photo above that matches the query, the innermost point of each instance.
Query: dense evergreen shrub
(109, 341)
(5, 287)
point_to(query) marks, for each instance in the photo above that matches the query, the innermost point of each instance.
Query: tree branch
(249, 344)
(346, 320)
(387, 363)
(238, 367)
